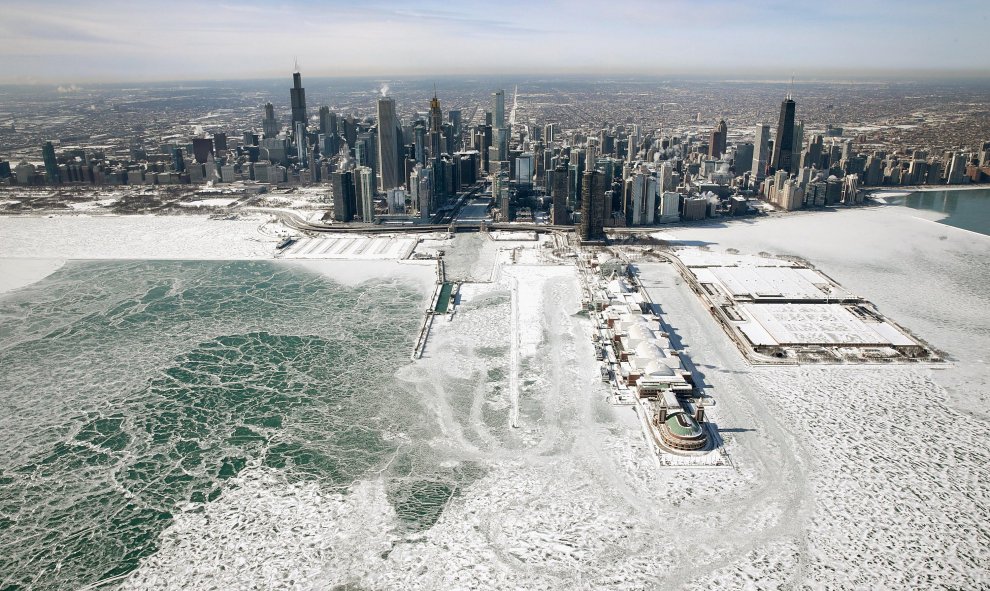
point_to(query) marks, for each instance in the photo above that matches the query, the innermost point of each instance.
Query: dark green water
(131, 389)
(968, 209)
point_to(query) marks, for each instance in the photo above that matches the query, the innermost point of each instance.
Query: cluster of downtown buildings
(620, 175)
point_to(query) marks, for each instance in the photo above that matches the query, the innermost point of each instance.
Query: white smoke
(384, 90)
(69, 88)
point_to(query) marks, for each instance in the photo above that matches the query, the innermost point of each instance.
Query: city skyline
(124, 42)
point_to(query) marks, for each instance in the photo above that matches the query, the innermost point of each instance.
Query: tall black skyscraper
(558, 195)
(344, 199)
(783, 144)
(593, 207)
(716, 146)
(297, 94)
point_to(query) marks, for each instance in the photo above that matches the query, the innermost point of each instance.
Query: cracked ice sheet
(899, 478)
(266, 533)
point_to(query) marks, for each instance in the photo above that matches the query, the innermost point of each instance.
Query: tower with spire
(436, 126)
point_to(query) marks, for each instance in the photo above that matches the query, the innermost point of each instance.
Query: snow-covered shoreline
(907, 190)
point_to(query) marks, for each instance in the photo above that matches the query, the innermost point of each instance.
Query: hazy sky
(62, 41)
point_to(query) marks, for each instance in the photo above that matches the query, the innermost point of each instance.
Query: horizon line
(717, 75)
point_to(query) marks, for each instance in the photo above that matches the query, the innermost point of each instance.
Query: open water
(132, 391)
(967, 209)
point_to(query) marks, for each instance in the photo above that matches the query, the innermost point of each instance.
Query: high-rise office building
(640, 200)
(269, 125)
(797, 146)
(454, 116)
(812, 157)
(761, 151)
(716, 146)
(419, 142)
(593, 209)
(550, 132)
(202, 149)
(436, 125)
(342, 189)
(742, 158)
(524, 167)
(498, 119)
(328, 121)
(500, 134)
(389, 142)
(297, 95)
(364, 180)
(783, 143)
(51, 164)
(558, 195)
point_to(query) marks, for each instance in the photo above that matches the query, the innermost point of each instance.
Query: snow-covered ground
(15, 273)
(136, 237)
(210, 202)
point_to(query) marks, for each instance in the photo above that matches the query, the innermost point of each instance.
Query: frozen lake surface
(218, 425)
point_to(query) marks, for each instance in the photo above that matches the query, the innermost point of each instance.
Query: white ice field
(842, 477)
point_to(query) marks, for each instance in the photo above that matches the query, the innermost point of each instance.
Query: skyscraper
(761, 151)
(797, 146)
(328, 121)
(500, 135)
(297, 95)
(716, 147)
(499, 114)
(454, 116)
(342, 188)
(743, 157)
(640, 202)
(783, 143)
(364, 181)
(51, 164)
(390, 173)
(202, 148)
(592, 205)
(436, 124)
(558, 195)
(814, 152)
(269, 125)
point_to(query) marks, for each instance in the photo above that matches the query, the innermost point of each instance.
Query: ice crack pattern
(136, 392)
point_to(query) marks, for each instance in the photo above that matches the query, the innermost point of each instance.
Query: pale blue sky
(62, 41)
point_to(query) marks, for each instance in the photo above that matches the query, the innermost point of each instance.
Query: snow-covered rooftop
(772, 282)
(809, 324)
